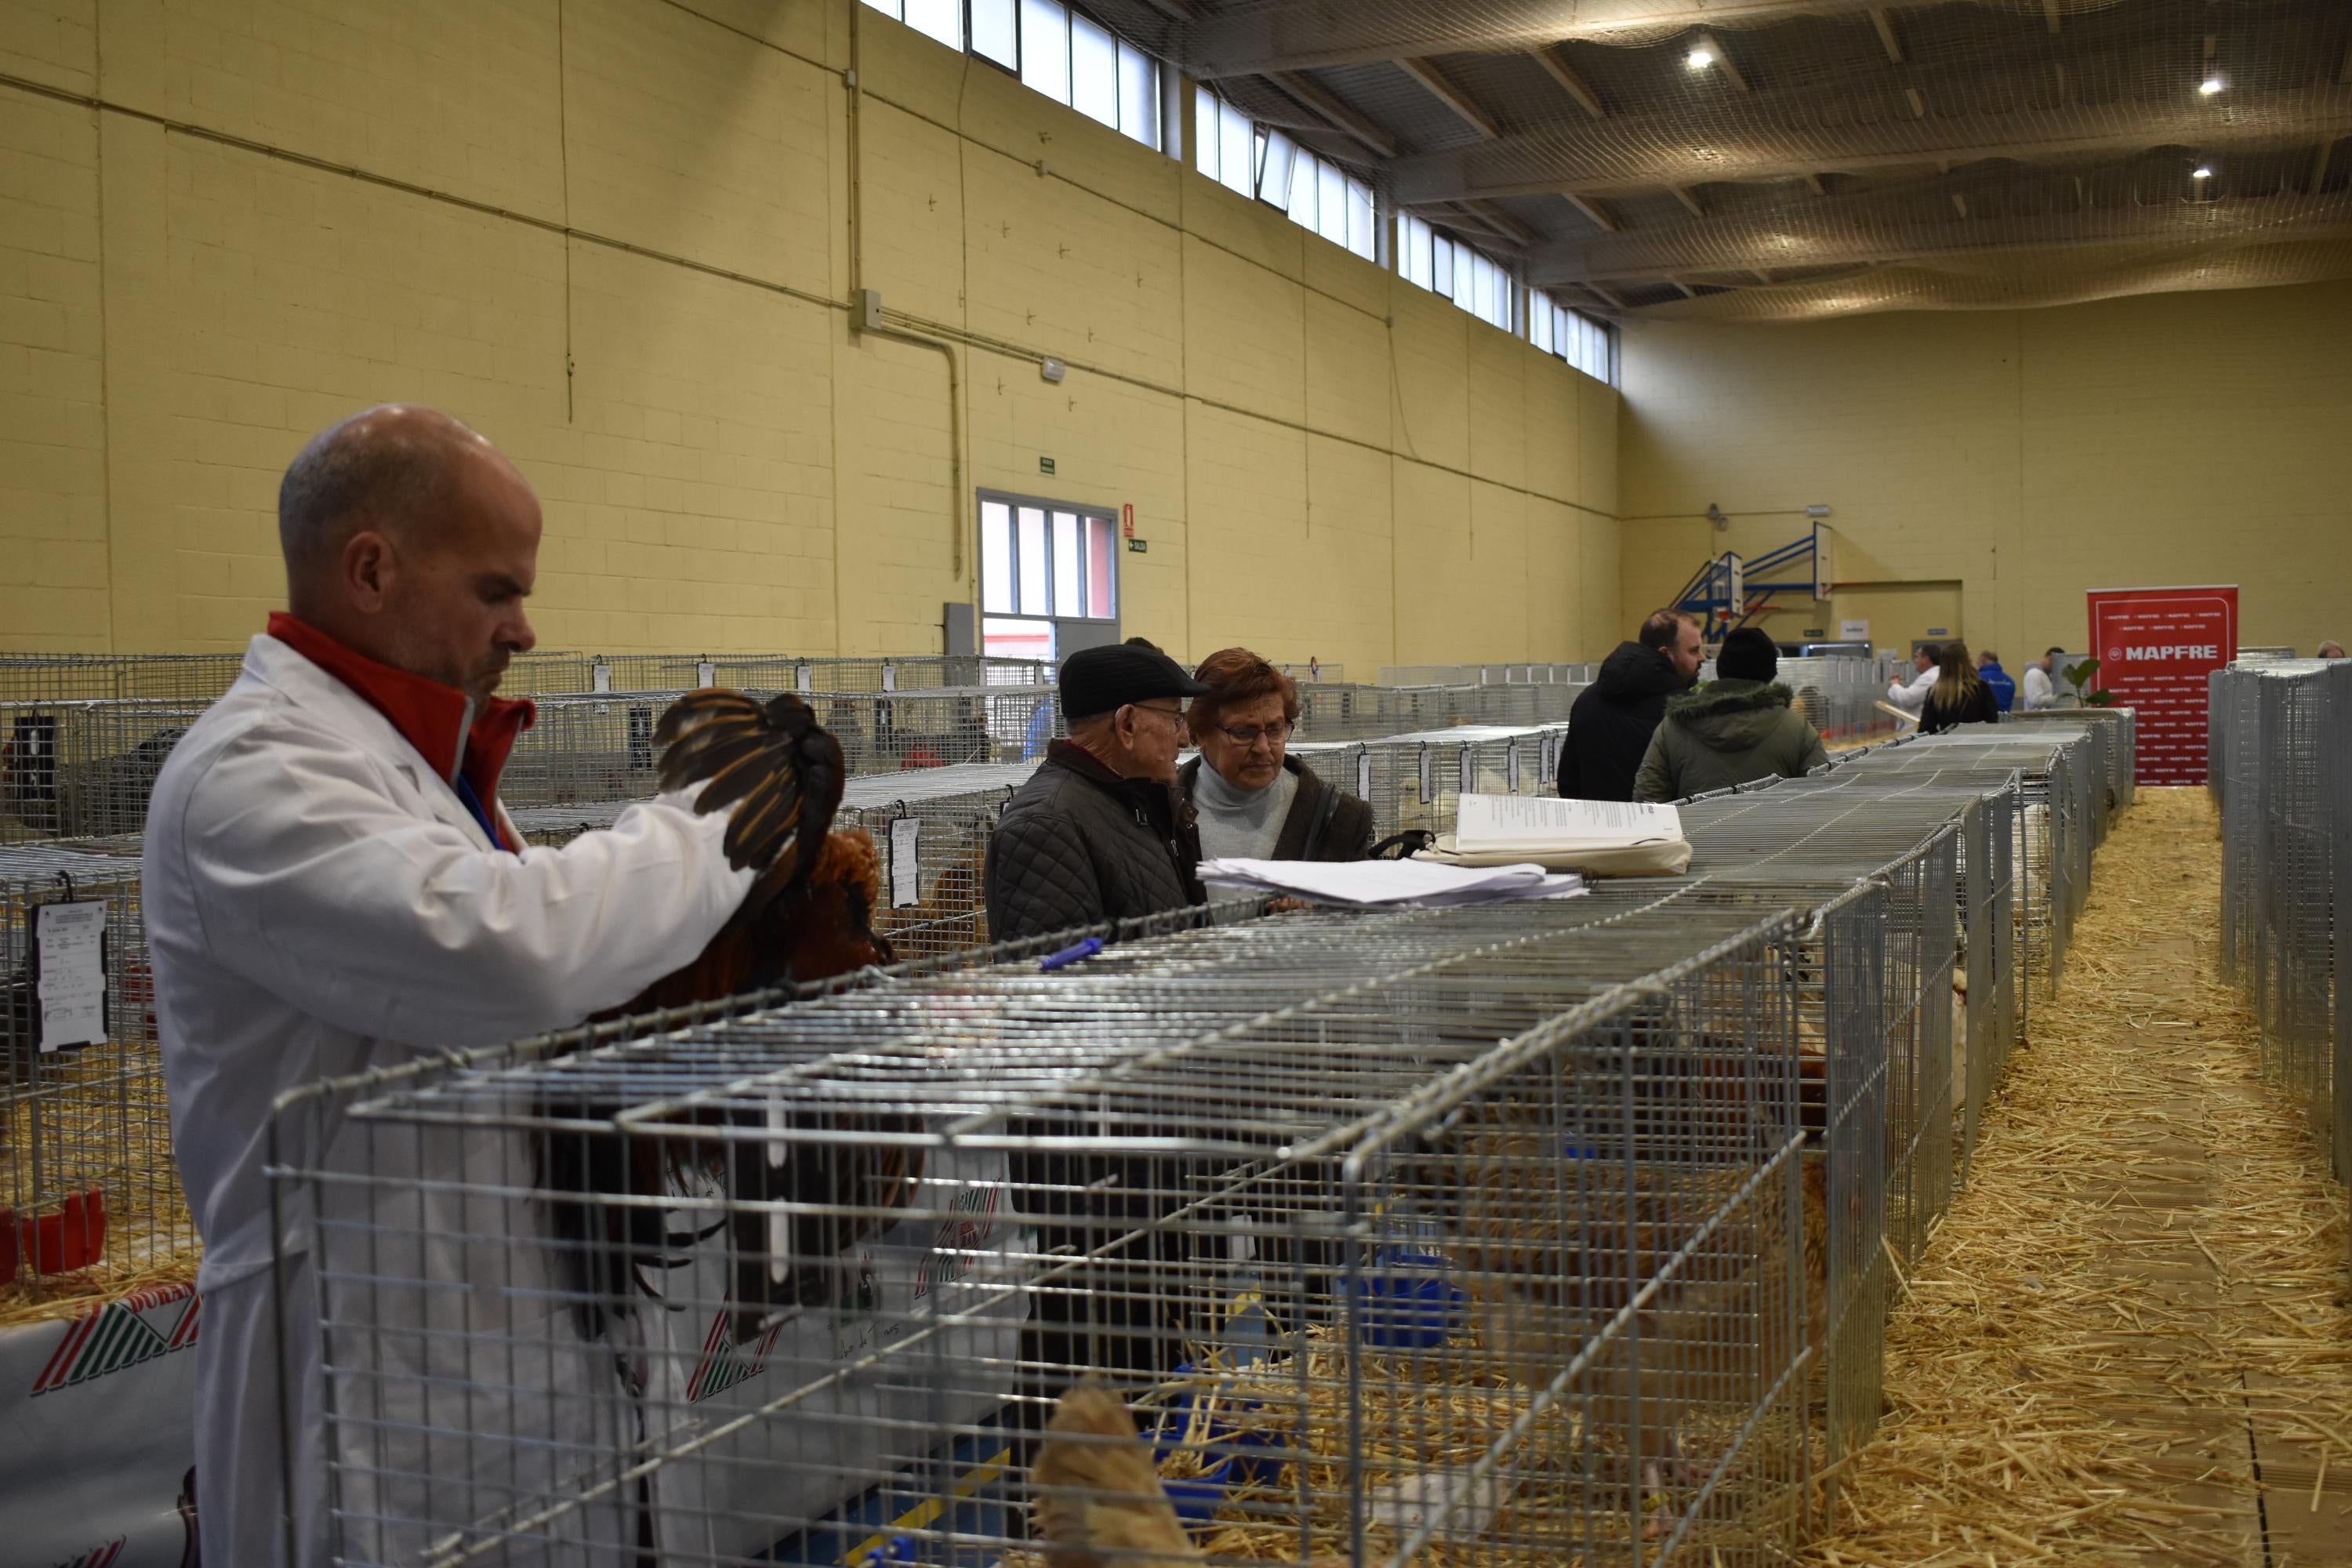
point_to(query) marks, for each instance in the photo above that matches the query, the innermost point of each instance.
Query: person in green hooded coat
(1737, 728)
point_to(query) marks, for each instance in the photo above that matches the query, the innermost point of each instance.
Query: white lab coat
(2041, 691)
(318, 903)
(1912, 698)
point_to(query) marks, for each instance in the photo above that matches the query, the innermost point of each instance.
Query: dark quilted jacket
(1079, 846)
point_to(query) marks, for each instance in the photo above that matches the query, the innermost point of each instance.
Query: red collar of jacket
(438, 720)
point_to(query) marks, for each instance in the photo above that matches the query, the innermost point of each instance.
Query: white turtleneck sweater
(1237, 824)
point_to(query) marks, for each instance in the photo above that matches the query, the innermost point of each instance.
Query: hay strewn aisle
(2140, 1299)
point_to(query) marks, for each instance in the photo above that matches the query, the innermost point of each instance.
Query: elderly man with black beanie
(1100, 832)
(1737, 728)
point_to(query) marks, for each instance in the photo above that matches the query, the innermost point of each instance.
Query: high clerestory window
(1264, 163)
(1590, 345)
(1062, 53)
(1462, 273)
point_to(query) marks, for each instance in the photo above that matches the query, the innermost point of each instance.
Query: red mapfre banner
(2155, 647)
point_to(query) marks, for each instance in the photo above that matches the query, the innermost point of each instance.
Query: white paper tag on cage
(1469, 773)
(804, 679)
(1411, 1501)
(1428, 776)
(890, 678)
(705, 674)
(906, 862)
(70, 960)
(1364, 775)
(600, 678)
(1514, 767)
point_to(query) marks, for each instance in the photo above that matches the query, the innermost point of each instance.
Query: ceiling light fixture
(1698, 59)
(2209, 86)
(2200, 173)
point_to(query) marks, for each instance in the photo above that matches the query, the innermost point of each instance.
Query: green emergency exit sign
(1044, 465)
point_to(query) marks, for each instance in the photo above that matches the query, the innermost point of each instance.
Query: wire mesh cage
(599, 749)
(1417, 780)
(2281, 849)
(89, 1198)
(1492, 1251)
(30, 677)
(1840, 697)
(1484, 674)
(85, 769)
(787, 672)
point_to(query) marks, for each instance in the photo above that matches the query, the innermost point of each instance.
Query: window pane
(1034, 600)
(1205, 139)
(1102, 544)
(1069, 569)
(1278, 160)
(1361, 236)
(1017, 640)
(1441, 271)
(994, 35)
(893, 8)
(1332, 198)
(941, 19)
(1538, 321)
(1234, 163)
(1094, 72)
(1046, 48)
(1138, 95)
(1304, 191)
(995, 557)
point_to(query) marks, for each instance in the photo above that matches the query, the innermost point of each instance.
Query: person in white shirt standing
(2042, 683)
(1911, 696)
(330, 886)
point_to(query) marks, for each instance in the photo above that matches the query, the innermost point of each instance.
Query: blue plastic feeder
(1407, 1303)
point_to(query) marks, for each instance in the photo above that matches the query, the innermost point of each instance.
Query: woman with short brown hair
(1253, 800)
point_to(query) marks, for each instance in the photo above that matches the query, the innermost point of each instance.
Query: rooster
(808, 917)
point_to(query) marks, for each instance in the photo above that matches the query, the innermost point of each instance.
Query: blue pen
(1069, 955)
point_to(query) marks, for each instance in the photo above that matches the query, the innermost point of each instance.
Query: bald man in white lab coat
(331, 886)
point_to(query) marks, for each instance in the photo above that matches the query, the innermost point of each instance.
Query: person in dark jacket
(1960, 695)
(1253, 800)
(1738, 728)
(1988, 671)
(1611, 723)
(1099, 832)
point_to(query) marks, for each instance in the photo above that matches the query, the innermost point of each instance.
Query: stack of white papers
(1598, 837)
(1389, 884)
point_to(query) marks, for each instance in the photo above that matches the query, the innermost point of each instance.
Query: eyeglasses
(1174, 715)
(1249, 735)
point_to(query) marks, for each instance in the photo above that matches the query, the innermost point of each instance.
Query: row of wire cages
(929, 828)
(2286, 822)
(1806, 846)
(84, 768)
(601, 747)
(2117, 739)
(1416, 780)
(1349, 712)
(1487, 674)
(89, 1197)
(2061, 786)
(1840, 697)
(1514, 1236)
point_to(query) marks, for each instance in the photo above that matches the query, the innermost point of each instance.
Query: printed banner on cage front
(98, 1433)
(2155, 648)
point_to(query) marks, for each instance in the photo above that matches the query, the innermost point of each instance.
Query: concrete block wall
(620, 236)
(2021, 456)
